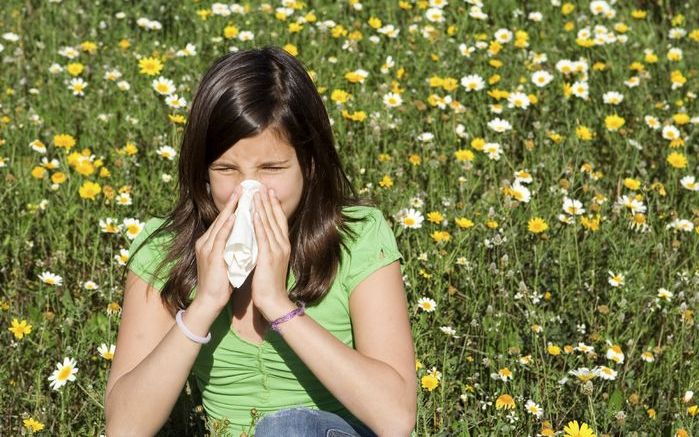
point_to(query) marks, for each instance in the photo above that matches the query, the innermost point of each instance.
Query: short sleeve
(144, 262)
(374, 247)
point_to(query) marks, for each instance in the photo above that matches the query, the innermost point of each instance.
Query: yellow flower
(33, 425)
(295, 27)
(340, 96)
(75, 68)
(537, 225)
(435, 217)
(583, 133)
(64, 141)
(478, 143)
(38, 172)
(375, 23)
(505, 401)
(464, 223)
(230, 32)
(677, 160)
(20, 329)
(386, 182)
(693, 410)
(414, 159)
(89, 190)
(291, 49)
(567, 8)
(418, 365)
(632, 184)
(429, 382)
(59, 177)
(440, 236)
(554, 350)
(355, 116)
(638, 14)
(613, 122)
(464, 155)
(150, 66)
(575, 430)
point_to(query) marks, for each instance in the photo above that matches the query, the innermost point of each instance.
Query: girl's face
(264, 158)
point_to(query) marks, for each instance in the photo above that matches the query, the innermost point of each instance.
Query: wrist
(199, 316)
(277, 308)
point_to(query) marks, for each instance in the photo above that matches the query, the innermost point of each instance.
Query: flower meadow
(538, 162)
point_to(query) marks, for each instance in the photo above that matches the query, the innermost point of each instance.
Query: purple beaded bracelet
(297, 312)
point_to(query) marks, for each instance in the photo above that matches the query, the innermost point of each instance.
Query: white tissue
(240, 252)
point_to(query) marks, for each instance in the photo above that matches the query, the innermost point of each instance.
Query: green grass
(491, 282)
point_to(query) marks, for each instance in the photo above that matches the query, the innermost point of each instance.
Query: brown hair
(241, 95)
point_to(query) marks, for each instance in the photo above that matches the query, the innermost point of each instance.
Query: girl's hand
(271, 232)
(213, 287)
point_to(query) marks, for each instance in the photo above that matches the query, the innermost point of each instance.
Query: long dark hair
(241, 95)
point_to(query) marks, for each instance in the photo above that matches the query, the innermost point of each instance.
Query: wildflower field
(538, 161)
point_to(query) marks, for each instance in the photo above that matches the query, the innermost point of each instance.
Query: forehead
(264, 146)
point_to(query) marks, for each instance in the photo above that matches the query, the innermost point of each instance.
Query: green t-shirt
(235, 375)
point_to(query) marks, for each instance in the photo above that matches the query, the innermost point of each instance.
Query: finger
(260, 236)
(279, 214)
(271, 219)
(264, 220)
(227, 210)
(222, 235)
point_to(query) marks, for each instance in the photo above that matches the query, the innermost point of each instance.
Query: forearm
(141, 401)
(370, 389)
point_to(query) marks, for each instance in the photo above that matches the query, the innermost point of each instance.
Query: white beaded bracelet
(192, 336)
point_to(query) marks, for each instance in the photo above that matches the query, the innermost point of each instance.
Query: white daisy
(90, 285)
(681, 225)
(533, 408)
(572, 206)
(670, 132)
(503, 36)
(163, 86)
(607, 373)
(77, 86)
(664, 294)
(51, 279)
(63, 373)
(580, 89)
(472, 82)
(166, 152)
(615, 279)
(123, 257)
(109, 226)
(499, 125)
(542, 78)
(652, 122)
(614, 353)
(427, 304)
(435, 15)
(689, 183)
(410, 218)
(175, 102)
(612, 98)
(123, 199)
(493, 150)
(133, 227)
(106, 352)
(520, 192)
(392, 100)
(518, 100)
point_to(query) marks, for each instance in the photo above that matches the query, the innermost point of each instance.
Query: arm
(152, 361)
(377, 381)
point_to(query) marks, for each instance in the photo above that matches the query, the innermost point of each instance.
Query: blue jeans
(308, 422)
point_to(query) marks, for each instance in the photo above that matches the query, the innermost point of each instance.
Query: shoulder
(363, 216)
(147, 229)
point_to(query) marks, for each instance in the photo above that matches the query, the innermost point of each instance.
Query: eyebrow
(267, 163)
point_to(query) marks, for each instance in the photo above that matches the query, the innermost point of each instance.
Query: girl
(317, 339)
